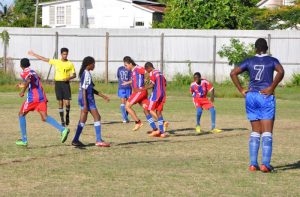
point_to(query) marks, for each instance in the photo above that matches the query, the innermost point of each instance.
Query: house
(101, 13)
(274, 3)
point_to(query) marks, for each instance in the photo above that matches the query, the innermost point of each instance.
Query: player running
(124, 91)
(36, 100)
(199, 89)
(260, 101)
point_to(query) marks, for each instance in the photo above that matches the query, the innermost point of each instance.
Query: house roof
(54, 2)
(147, 2)
(262, 2)
(134, 1)
(154, 8)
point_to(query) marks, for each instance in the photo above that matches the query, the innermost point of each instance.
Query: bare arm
(126, 83)
(31, 53)
(234, 77)
(101, 95)
(212, 95)
(24, 87)
(279, 76)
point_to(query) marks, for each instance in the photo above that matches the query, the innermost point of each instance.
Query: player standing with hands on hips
(260, 101)
(64, 72)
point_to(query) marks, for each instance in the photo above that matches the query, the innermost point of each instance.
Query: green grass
(185, 164)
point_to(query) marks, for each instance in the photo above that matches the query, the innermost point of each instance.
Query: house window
(60, 15)
(139, 23)
(68, 15)
(52, 15)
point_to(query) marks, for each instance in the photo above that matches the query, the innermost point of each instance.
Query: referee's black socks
(61, 113)
(67, 115)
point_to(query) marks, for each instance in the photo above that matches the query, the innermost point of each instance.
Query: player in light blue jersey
(124, 91)
(260, 101)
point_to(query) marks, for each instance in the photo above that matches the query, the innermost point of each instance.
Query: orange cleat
(253, 168)
(102, 144)
(163, 135)
(265, 169)
(137, 126)
(155, 134)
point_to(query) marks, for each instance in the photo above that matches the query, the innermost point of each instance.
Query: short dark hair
(149, 65)
(64, 50)
(261, 45)
(25, 62)
(197, 74)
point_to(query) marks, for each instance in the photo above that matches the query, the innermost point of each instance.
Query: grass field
(185, 164)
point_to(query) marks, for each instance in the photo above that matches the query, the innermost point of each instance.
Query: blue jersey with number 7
(261, 70)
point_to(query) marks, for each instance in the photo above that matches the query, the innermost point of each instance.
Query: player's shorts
(124, 93)
(138, 97)
(63, 90)
(204, 103)
(91, 104)
(260, 107)
(156, 105)
(37, 106)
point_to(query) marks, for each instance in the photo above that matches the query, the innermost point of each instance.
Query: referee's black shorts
(63, 90)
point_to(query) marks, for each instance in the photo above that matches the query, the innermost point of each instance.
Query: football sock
(79, 129)
(254, 143)
(213, 117)
(54, 123)
(123, 112)
(266, 148)
(22, 121)
(67, 113)
(161, 124)
(97, 126)
(198, 116)
(151, 122)
(61, 114)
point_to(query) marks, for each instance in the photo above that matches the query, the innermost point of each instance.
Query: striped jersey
(160, 83)
(201, 90)
(138, 77)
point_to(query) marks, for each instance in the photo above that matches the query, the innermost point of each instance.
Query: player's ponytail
(128, 60)
(85, 62)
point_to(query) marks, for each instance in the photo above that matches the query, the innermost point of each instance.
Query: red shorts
(138, 97)
(37, 106)
(203, 103)
(156, 105)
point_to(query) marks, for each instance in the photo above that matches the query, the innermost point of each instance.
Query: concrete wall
(181, 47)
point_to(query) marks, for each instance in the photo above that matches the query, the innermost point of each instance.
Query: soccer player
(64, 72)
(157, 98)
(36, 100)
(87, 103)
(260, 101)
(124, 91)
(199, 89)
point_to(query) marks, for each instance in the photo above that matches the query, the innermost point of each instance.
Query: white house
(101, 13)
(274, 3)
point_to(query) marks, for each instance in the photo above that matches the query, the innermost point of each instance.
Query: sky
(7, 2)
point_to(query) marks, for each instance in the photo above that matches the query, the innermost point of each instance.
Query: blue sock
(213, 117)
(151, 122)
(161, 124)
(78, 131)
(97, 126)
(123, 112)
(254, 143)
(266, 148)
(22, 121)
(54, 123)
(199, 113)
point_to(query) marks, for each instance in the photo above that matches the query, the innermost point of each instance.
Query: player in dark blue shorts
(87, 103)
(260, 101)
(124, 91)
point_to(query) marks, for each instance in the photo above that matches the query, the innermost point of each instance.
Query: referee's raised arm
(31, 53)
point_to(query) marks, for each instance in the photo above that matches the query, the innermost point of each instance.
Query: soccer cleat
(266, 169)
(64, 135)
(125, 121)
(198, 129)
(166, 125)
(216, 130)
(78, 143)
(21, 143)
(163, 135)
(137, 126)
(155, 134)
(253, 168)
(102, 144)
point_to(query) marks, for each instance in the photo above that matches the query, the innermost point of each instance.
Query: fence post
(55, 54)
(162, 39)
(5, 56)
(214, 58)
(106, 56)
(269, 43)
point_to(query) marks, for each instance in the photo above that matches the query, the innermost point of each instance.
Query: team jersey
(200, 91)
(63, 69)
(124, 75)
(35, 89)
(86, 83)
(160, 83)
(261, 70)
(138, 76)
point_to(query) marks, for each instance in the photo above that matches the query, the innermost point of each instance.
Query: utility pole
(36, 12)
(83, 14)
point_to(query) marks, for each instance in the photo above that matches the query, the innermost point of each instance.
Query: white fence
(170, 50)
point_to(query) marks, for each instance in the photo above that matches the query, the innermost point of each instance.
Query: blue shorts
(124, 93)
(91, 104)
(260, 107)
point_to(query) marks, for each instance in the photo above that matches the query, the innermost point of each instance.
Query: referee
(64, 72)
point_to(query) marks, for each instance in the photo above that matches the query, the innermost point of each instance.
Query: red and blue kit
(158, 96)
(138, 77)
(36, 97)
(199, 93)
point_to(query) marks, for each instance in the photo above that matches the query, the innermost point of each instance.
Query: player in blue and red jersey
(260, 101)
(199, 89)
(124, 91)
(36, 100)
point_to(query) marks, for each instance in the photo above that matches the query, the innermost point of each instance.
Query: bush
(7, 78)
(182, 80)
(295, 79)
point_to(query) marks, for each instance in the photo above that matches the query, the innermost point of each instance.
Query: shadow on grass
(142, 142)
(191, 131)
(291, 166)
